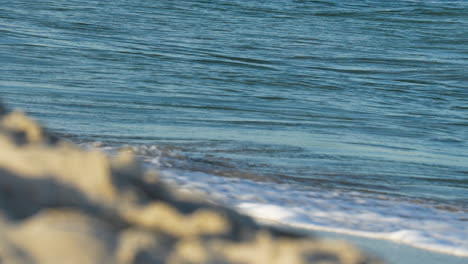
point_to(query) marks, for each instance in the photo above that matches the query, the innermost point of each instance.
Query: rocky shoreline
(62, 204)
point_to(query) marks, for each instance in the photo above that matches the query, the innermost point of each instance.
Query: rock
(62, 204)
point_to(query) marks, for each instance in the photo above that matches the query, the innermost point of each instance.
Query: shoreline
(392, 252)
(300, 213)
(377, 236)
(394, 239)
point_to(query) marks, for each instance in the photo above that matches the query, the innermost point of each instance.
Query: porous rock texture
(61, 204)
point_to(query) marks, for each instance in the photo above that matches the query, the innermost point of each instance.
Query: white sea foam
(356, 214)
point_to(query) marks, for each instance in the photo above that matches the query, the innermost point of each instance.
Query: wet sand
(395, 253)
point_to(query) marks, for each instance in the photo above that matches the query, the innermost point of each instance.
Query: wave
(415, 238)
(423, 224)
(408, 222)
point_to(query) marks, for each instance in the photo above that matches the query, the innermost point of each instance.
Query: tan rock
(64, 236)
(61, 204)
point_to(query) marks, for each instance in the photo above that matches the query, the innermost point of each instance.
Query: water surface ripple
(352, 96)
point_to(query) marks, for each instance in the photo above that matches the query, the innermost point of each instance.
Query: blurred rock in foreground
(60, 204)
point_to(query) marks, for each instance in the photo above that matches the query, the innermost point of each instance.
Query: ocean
(341, 116)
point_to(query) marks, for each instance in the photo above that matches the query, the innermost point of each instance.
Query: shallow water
(335, 110)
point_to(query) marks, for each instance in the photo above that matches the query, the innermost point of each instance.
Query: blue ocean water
(349, 116)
